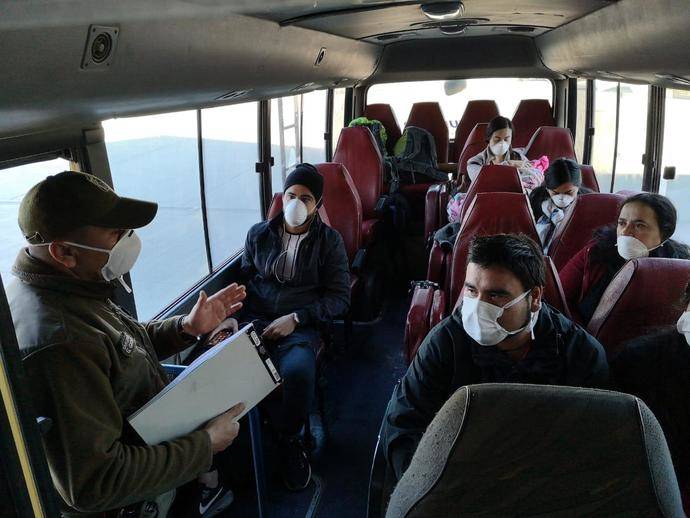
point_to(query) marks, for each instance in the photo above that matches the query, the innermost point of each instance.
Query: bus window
(314, 126)
(675, 154)
(454, 95)
(630, 136)
(604, 139)
(338, 114)
(156, 158)
(632, 130)
(230, 152)
(16, 181)
(581, 129)
(285, 138)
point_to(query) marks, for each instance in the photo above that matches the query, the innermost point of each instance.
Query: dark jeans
(295, 359)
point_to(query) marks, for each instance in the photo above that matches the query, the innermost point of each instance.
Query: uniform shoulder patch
(128, 344)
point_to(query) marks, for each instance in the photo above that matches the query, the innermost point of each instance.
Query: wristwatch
(190, 339)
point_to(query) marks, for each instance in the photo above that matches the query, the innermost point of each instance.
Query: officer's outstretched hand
(209, 312)
(223, 429)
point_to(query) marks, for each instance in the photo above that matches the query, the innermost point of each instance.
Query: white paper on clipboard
(236, 370)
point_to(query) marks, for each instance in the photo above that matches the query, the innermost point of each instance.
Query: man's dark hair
(498, 123)
(516, 253)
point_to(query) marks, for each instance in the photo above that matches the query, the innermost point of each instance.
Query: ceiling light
(443, 11)
(452, 29)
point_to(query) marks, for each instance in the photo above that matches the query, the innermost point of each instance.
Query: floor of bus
(359, 381)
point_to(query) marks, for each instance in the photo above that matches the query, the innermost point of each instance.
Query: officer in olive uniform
(89, 363)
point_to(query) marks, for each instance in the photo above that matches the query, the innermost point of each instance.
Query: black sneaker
(214, 500)
(296, 469)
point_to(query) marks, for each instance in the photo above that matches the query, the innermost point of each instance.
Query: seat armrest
(173, 370)
(417, 323)
(359, 261)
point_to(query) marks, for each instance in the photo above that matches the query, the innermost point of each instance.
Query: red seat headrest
(641, 298)
(474, 144)
(493, 178)
(358, 152)
(430, 117)
(591, 211)
(385, 115)
(589, 179)
(476, 112)
(530, 115)
(553, 142)
(489, 213)
(344, 206)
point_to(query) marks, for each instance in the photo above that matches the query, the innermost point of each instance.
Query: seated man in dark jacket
(296, 271)
(502, 333)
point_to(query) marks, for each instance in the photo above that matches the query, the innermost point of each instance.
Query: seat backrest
(530, 115)
(385, 115)
(474, 144)
(489, 213)
(641, 298)
(590, 212)
(277, 207)
(475, 113)
(358, 152)
(493, 178)
(526, 450)
(589, 179)
(429, 116)
(553, 142)
(344, 206)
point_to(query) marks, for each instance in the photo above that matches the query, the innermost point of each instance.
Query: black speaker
(100, 47)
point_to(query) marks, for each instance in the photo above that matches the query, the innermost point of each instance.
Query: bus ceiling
(77, 63)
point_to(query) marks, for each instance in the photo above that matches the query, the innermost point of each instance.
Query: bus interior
(205, 106)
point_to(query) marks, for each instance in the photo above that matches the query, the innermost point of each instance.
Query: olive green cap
(69, 200)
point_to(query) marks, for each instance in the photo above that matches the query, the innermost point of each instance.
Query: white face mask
(295, 213)
(121, 258)
(683, 325)
(562, 200)
(632, 248)
(480, 320)
(500, 148)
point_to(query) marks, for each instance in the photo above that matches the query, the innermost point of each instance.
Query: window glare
(675, 154)
(454, 95)
(156, 158)
(16, 181)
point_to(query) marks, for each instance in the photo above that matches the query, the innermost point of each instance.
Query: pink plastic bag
(455, 207)
(541, 163)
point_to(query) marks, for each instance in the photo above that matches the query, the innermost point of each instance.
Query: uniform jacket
(320, 288)
(562, 353)
(90, 365)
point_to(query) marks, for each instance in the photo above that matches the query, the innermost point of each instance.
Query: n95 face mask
(632, 248)
(121, 258)
(562, 200)
(295, 213)
(683, 325)
(500, 148)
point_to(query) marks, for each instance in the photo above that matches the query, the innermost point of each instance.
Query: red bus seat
(589, 179)
(551, 141)
(590, 212)
(530, 115)
(384, 114)
(474, 144)
(641, 298)
(430, 117)
(358, 152)
(475, 113)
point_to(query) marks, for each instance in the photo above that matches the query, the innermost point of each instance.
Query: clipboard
(236, 370)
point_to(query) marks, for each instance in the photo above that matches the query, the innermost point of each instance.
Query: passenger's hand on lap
(280, 327)
(209, 312)
(224, 429)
